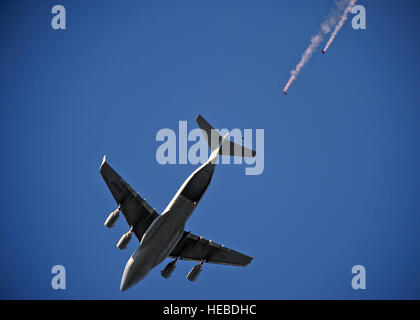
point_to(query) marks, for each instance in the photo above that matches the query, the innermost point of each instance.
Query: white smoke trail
(326, 27)
(340, 23)
(315, 41)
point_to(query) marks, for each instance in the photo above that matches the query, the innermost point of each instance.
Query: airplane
(164, 235)
(323, 51)
(285, 92)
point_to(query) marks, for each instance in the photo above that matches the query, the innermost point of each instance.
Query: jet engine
(195, 271)
(125, 239)
(170, 267)
(112, 218)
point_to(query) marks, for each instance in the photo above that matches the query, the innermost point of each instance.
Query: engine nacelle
(125, 239)
(170, 267)
(194, 272)
(112, 218)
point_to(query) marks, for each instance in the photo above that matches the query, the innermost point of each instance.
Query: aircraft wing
(138, 213)
(195, 248)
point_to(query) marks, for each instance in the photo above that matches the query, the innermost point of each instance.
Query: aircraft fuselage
(165, 232)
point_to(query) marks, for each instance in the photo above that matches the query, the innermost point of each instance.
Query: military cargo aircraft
(164, 235)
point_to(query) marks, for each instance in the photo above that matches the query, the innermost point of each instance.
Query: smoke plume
(340, 23)
(325, 28)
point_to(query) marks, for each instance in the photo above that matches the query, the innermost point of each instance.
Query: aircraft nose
(128, 278)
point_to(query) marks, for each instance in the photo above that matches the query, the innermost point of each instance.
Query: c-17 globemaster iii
(163, 236)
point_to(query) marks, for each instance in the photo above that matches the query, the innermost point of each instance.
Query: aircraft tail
(216, 141)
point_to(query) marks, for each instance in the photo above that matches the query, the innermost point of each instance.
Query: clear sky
(341, 180)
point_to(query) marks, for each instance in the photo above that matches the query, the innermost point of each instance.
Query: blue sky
(341, 180)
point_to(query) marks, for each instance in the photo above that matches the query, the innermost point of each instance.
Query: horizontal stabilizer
(214, 139)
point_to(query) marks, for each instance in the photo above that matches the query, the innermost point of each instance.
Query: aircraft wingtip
(103, 162)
